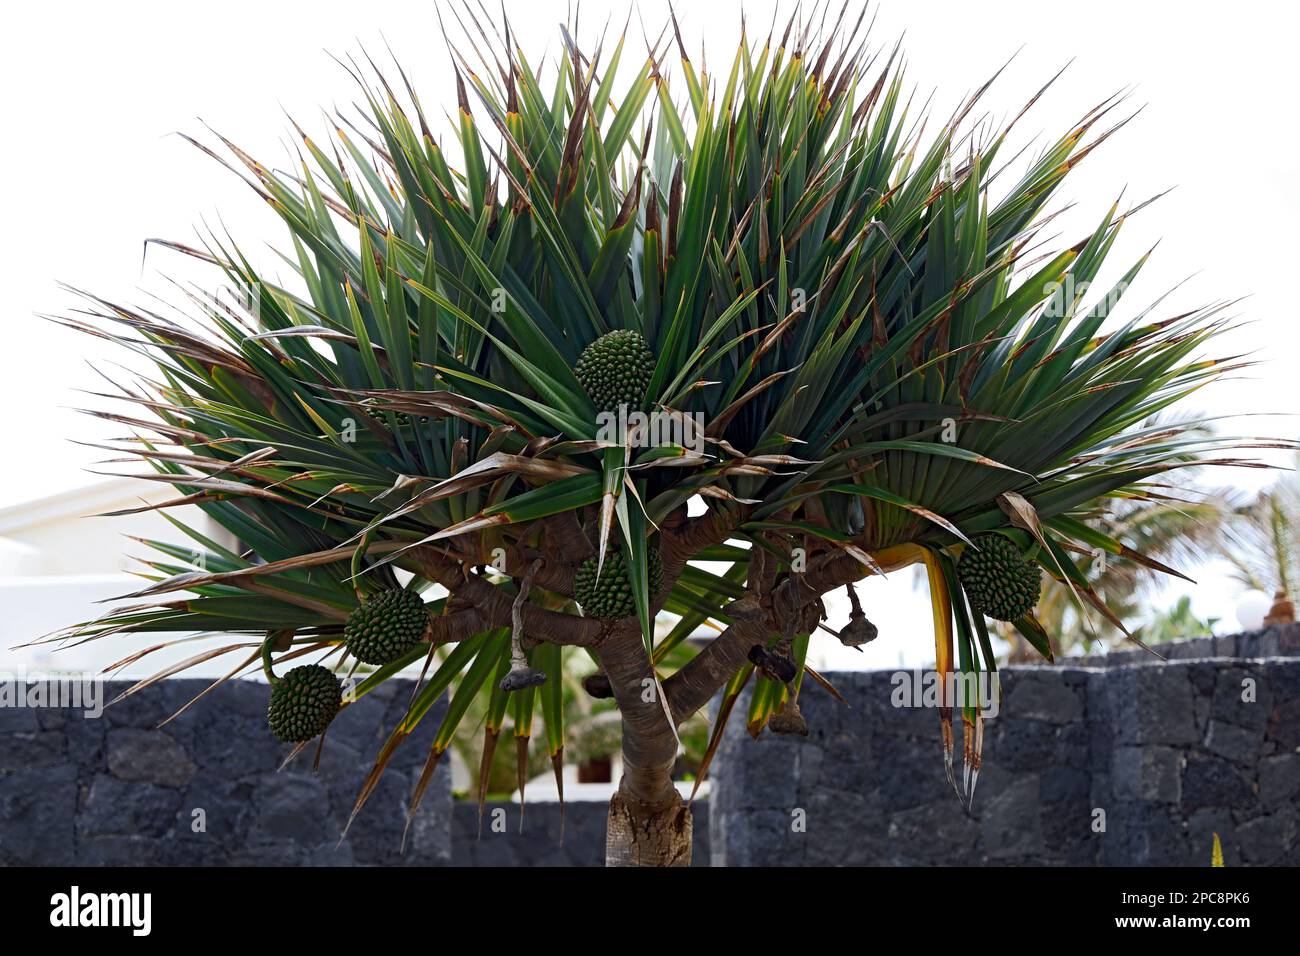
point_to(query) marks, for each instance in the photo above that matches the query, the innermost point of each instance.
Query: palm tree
(1169, 531)
(836, 336)
(1262, 542)
(1176, 622)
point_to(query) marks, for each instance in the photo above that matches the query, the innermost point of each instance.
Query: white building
(58, 560)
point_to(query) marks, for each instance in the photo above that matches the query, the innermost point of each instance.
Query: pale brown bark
(553, 575)
(495, 606)
(564, 533)
(695, 684)
(683, 538)
(648, 825)
(634, 837)
(649, 744)
(457, 626)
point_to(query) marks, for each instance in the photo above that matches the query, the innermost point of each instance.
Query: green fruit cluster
(388, 625)
(1000, 583)
(303, 703)
(615, 370)
(610, 596)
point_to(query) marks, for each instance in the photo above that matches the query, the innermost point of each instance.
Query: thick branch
(694, 684)
(556, 576)
(567, 537)
(683, 538)
(494, 605)
(553, 627)
(793, 599)
(457, 626)
(835, 570)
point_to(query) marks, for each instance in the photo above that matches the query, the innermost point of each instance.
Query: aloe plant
(856, 302)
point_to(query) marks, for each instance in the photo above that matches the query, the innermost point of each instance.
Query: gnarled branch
(700, 678)
(494, 605)
(456, 626)
(682, 538)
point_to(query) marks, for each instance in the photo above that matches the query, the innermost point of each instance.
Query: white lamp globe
(1251, 610)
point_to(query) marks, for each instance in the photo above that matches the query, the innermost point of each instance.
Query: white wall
(58, 562)
(67, 533)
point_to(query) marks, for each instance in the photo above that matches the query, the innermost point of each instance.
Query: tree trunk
(639, 836)
(648, 824)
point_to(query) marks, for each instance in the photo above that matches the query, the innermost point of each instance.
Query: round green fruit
(1000, 583)
(615, 370)
(303, 702)
(610, 597)
(388, 625)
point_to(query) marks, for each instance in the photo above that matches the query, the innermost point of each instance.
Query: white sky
(93, 91)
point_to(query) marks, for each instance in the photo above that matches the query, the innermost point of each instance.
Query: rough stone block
(1284, 725)
(834, 813)
(225, 808)
(1225, 645)
(19, 720)
(115, 807)
(1266, 839)
(1010, 820)
(765, 778)
(1063, 784)
(25, 750)
(1210, 781)
(1242, 745)
(939, 832)
(289, 809)
(1279, 779)
(146, 708)
(764, 838)
(152, 756)
(1041, 694)
(1243, 696)
(1023, 744)
(1152, 774)
(1152, 704)
(1190, 649)
(37, 816)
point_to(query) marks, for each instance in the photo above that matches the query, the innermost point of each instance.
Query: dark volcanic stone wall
(1161, 755)
(117, 791)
